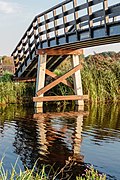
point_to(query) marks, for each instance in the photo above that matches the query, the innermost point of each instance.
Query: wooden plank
(60, 98)
(57, 81)
(53, 75)
(53, 52)
(24, 79)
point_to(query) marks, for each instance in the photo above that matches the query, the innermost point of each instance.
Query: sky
(16, 16)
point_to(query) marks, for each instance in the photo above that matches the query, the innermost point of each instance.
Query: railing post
(55, 24)
(35, 34)
(23, 49)
(29, 48)
(46, 28)
(64, 22)
(39, 30)
(19, 52)
(76, 18)
(106, 17)
(89, 10)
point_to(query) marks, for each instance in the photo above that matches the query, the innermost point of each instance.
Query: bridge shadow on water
(57, 138)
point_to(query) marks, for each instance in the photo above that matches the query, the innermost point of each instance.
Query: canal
(91, 137)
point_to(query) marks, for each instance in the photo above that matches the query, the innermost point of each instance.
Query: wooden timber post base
(75, 71)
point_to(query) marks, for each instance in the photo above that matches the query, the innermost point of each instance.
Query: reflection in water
(78, 135)
(54, 137)
(57, 139)
(104, 120)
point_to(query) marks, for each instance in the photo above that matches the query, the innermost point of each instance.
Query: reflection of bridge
(51, 137)
(62, 31)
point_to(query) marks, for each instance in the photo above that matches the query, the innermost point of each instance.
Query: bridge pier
(77, 80)
(40, 80)
(75, 72)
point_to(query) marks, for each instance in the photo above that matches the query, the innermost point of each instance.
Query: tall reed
(14, 92)
(100, 76)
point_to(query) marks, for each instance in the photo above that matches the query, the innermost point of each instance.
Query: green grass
(90, 173)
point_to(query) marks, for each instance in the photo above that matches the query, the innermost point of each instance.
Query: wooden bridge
(62, 31)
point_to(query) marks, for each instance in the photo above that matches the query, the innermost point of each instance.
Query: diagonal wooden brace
(57, 81)
(53, 75)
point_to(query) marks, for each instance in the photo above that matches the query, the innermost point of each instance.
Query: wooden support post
(57, 81)
(40, 89)
(40, 81)
(77, 80)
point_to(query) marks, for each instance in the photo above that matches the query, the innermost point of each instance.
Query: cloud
(8, 8)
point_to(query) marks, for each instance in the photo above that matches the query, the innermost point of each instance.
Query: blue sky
(16, 15)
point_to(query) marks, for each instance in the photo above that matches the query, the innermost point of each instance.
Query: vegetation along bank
(100, 78)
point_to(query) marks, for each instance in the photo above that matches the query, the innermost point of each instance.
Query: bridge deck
(69, 25)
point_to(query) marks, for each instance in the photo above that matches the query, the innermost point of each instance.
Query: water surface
(90, 137)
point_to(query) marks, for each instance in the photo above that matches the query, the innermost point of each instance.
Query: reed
(14, 92)
(100, 76)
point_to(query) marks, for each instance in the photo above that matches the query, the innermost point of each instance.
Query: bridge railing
(48, 28)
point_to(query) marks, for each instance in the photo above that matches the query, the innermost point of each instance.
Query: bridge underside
(30, 68)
